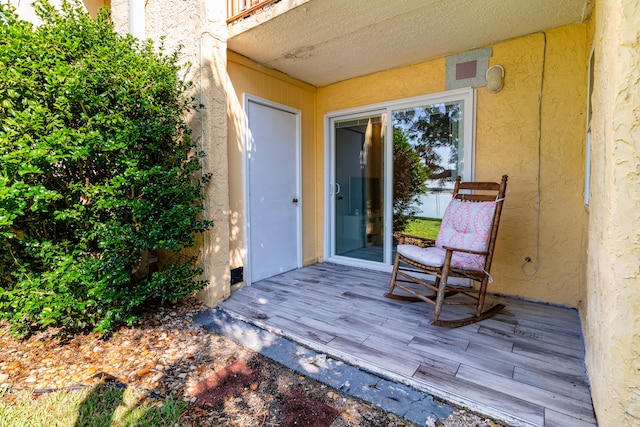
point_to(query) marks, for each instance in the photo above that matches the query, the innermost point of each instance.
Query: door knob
(294, 200)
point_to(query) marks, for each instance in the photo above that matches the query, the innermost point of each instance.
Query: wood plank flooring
(525, 366)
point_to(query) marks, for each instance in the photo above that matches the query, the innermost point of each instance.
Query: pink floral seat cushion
(465, 225)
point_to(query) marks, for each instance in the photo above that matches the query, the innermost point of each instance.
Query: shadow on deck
(525, 366)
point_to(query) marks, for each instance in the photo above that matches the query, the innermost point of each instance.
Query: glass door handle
(337, 189)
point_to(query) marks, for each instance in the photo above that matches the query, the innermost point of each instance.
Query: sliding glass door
(391, 170)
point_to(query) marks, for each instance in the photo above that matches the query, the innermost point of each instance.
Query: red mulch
(303, 411)
(224, 384)
(297, 409)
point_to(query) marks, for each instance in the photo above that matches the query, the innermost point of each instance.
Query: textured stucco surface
(612, 303)
(507, 143)
(508, 125)
(197, 28)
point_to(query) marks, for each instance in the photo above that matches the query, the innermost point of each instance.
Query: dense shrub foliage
(96, 169)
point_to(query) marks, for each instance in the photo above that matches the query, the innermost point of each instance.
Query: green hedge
(96, 169)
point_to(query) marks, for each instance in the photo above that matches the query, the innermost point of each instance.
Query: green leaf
(28, 169)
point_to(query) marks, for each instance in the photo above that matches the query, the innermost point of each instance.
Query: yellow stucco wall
(245, 76)
(548, 230)
(94, 5)
(507, 143)
(611, 313)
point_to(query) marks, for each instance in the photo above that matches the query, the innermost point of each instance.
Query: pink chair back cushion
(465, 225)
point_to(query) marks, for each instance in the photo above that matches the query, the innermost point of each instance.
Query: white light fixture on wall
(495, 78)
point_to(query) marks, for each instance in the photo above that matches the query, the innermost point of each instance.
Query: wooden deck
(524, 366)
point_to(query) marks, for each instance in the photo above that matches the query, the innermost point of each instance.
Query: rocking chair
(464, 248)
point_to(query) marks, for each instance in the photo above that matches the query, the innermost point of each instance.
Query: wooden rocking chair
(464, 248)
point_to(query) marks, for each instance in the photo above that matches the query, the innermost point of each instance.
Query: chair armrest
(468, 251)
(408, 239)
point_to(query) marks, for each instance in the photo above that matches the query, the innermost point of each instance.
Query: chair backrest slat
(476, 197)
(489, 186)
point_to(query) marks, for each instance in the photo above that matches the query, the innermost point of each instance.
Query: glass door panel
(428, 147)
(359, 188)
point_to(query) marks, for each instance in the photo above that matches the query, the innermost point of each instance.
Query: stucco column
(212, 78)
(612, 302)
(198, 29)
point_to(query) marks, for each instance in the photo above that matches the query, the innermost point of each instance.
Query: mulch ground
(168, 354)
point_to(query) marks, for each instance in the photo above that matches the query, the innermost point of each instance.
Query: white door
(273, 189)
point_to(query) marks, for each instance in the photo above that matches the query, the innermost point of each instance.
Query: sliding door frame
(467, 95)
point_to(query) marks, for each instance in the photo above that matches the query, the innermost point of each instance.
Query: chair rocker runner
(464, 248)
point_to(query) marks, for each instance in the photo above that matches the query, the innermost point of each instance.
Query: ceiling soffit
(325, 41)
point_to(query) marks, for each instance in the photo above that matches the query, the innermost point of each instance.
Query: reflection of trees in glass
(429, 129)
(409, 177)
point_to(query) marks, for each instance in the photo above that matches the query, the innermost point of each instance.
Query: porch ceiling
(325, 41)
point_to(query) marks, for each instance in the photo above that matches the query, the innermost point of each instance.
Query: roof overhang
(325, 41)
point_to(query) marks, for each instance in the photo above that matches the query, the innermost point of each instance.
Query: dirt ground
(225, 384)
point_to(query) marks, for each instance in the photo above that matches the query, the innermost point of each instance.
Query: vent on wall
(237, 275)
(468, 69)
